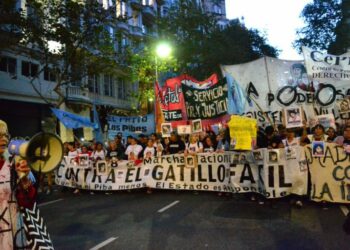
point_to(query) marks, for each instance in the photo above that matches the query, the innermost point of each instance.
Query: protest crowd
(251, 132)
(136, 149)
(273, 137)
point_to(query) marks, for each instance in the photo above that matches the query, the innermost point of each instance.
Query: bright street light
(54, 47)
(163, 50)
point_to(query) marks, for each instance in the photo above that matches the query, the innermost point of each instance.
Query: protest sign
(224, 172)
(242, 131)
(267, 85)
(330, 178)
(171, 96)
(130, 125)
(206, 103)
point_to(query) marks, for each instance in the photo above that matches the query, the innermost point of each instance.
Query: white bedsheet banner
(227, 172)
(274, 84)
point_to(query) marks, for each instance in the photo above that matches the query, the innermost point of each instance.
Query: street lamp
(163, 50)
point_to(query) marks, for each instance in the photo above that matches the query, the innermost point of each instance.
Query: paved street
(183, 220)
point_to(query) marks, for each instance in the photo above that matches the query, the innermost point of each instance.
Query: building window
(121, 8)
(164, 11)
(8, 64)
(108, 85)
(147, 2)
(29, 69)
(136, 19)
(94, 84)
(121, 89)
(49, 75)
(217, 9)
(121, 43)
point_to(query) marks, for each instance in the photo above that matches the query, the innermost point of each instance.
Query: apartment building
(24, 99)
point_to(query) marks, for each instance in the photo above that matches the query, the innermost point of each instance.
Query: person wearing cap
(15, 196)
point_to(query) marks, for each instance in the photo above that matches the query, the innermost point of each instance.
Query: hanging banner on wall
(130, 125)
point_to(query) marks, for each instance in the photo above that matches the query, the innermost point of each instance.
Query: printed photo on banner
(197, 126)
(258, 156)
(273, 156)
(235, 158)
(184, 129)
(101, 167)
(72, 161)
(293, 117)
(130, 164)
(242, 159)
(290, 152)
(147, 171)
(191, 161)
(318, 148)
(299, 77)
(303, 165)
(343, 105)
(166, 129)
(84, 160)
(120, 175)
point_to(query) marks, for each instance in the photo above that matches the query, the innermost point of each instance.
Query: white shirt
(294, 142)
(98, 154)
(136, 149)
(73, 153)
(194, 147)
(149, 150)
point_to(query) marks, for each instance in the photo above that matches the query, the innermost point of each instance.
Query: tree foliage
(321, 18)
(146, 67)
(235, 44)
(342, 40)
(82, 28)
(201, 46)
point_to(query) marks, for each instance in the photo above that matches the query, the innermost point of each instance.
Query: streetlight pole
(163, 50)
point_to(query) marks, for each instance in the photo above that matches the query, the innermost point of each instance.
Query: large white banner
(274, 84)
(227, 172)
(325, 68)
(330, 175)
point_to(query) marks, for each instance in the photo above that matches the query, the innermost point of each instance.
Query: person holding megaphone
(24, 187)
(17, 197)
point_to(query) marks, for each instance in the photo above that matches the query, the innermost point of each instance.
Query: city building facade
(25, 97)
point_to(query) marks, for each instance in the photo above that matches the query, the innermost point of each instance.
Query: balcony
(110, 101)
(148, 14)
(136, 31)
(135, 4)
(123, 26)
(82, 95)
(160, 2)
(77, 94)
